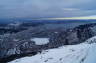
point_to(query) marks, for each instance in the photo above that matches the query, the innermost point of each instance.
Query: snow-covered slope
(91, 56)
(81, 53)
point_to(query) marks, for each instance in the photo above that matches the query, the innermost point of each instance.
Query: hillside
(81, 53)
(32, 40)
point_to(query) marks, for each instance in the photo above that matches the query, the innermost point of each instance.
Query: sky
(46, 8)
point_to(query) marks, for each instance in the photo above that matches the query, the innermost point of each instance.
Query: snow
(56, 32)
(15, 39)
(91, 40)
(81, 53)
(40, 41)
(65, 54)
(91, 58)
(15, 24)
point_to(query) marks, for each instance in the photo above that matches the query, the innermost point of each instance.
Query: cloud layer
(46, 8)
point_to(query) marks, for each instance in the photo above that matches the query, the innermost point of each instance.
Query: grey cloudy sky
(46, 8)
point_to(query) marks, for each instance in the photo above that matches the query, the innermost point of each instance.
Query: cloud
(71, 9)
(46, 8)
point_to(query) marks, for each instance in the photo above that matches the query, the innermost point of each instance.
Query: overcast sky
(46, 8)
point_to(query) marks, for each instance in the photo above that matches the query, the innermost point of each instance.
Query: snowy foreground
(81, 53)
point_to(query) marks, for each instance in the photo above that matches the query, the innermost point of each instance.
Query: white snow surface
(40, 41)
(81, 53)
